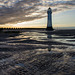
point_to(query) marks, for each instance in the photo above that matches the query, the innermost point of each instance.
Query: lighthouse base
(49, 28)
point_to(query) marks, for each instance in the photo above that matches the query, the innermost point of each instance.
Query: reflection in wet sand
(37, 53)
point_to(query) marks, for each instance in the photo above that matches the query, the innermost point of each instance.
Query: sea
(37, 52)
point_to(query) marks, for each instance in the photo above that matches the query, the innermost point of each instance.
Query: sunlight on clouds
(25, 11)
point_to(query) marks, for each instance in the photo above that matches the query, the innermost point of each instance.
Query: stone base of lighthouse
(49, 28)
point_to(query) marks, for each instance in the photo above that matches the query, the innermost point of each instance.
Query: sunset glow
(33, 14)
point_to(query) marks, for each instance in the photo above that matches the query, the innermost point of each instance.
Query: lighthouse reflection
(49, 36)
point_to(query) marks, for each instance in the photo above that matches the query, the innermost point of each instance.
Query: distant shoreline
(64, 32)
(55, 28)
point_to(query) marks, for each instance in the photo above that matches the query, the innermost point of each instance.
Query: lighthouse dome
(49, 10)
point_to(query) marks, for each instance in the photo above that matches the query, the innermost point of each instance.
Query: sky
(33, 13)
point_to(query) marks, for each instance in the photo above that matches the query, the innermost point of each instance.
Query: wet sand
(37, 52)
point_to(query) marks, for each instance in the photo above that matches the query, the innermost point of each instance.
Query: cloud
(14, 11)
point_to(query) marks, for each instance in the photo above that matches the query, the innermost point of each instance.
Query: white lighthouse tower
(49, 21)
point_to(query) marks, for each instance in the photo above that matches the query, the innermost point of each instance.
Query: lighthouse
(49, 19)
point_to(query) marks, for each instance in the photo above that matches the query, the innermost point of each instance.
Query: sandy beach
(37, 52)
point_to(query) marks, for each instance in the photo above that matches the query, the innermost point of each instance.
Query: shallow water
(37, 52)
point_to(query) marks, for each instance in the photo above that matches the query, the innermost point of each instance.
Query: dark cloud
(14, 11)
